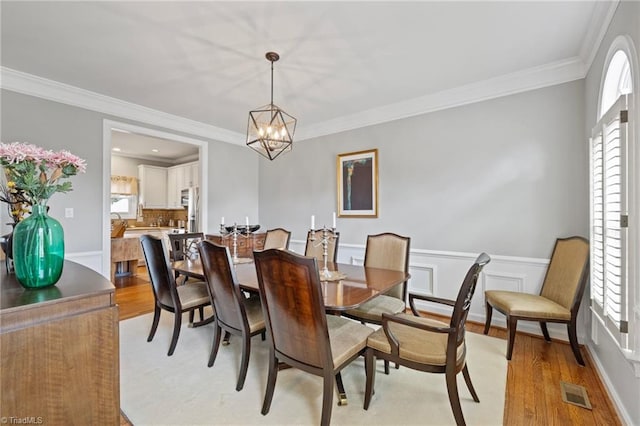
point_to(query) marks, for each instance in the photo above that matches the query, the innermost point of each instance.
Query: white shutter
(608, 205)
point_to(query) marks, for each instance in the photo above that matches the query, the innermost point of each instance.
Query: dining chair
(184, 245)
(426, 344)
(384, 251)
(300, 333)
(559, 298)
(314, 247)
(235, 314)
(277, 238)
(169, 296)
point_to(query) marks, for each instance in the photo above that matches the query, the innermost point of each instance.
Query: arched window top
(617, 80)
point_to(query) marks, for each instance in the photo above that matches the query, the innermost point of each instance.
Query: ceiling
(343, 64)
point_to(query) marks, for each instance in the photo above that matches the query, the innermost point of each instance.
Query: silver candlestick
(234, 235)
(327, 235)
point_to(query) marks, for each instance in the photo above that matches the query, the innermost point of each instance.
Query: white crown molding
(521, 81)
(598, 26)
(33, 85)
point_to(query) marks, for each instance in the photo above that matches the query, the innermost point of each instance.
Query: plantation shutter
(608, 219)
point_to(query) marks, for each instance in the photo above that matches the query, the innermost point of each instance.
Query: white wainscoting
(90, 259)
(440, 273)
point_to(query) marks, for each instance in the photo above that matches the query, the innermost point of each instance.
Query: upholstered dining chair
(428, 345)
(235, 314)
(169, 296)
(301, 334)
(558, 301)
(277, 238)
(314, 248)
(384, 251)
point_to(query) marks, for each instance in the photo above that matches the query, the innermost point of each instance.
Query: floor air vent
(575, 394)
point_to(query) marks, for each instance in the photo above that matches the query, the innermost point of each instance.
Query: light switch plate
(68, 212)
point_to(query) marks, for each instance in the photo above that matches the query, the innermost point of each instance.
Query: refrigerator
(190, 199)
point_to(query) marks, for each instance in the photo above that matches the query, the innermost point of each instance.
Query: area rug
(156, 389)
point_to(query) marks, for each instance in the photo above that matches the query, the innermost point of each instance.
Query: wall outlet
(68, 212)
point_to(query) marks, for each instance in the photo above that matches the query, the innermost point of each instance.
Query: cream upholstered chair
(559, 298)
(428, 345)
(384, 251)
(307, 339)
(277, 238)
(314, 247)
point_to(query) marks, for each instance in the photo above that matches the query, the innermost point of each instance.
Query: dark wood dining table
(359, 285)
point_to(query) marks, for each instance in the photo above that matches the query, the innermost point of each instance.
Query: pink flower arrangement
(34, 174)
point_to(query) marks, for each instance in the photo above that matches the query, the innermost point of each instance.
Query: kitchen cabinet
(181, 177)
(135, 234)
(153, 186)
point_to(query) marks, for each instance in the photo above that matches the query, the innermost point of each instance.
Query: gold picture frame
(357, 181)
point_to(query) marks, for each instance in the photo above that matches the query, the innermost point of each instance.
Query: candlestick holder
(234, 232)
(327, 236)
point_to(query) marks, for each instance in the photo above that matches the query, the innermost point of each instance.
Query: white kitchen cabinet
(153, 186)
(173, 189)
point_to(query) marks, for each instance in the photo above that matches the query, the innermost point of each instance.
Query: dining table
(349, 287)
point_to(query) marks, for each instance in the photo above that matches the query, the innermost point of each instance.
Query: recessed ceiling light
(116, 149)
(155, 150)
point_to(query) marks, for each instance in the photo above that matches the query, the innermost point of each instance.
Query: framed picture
(358, 184)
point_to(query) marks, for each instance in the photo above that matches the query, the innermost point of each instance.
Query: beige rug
(157, 389)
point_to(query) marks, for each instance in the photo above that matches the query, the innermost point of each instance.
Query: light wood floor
(533, 395)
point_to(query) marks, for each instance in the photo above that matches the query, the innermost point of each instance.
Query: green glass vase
(38, 249)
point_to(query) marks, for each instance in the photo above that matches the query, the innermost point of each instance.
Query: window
(124, 196)
(611, 193)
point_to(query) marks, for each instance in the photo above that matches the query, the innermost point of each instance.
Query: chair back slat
(389, 251)
(314, 247)
(567, 271)
(160, 275)
(223, 286)
(292, 300)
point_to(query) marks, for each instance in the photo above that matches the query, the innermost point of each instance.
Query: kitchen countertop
(149, 228)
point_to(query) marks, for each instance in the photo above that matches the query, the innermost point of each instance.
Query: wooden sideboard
(246, 244)
(59, 350)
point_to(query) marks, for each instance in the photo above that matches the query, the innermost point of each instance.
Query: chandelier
(270, 130)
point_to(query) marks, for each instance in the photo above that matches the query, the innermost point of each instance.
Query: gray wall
(232, 171)
(618, 371)
(505, 176)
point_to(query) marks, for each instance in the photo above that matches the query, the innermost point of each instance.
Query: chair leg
(225, 340)
(386, 367)
(370, 371)
(573, 339)
(271, 382)
(512, 323)
(263, 335)
(191, 312)
(154, 324)
(201, 311)
(488, 313)
(327, 401)
(467, 379)
(217, 331)
(545, 331)
(454, 399)
(244, 364)
(177, 322)
(342, 395)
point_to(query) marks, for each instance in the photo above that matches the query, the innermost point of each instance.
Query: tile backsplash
(159, 217)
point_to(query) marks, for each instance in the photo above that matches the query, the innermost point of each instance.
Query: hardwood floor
(533, 394)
